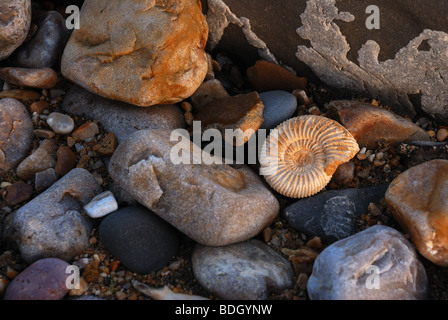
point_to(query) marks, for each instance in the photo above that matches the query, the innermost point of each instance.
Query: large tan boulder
(418, 199)
(140, 52)
(214, 204)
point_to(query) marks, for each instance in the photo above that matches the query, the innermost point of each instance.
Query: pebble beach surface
(86, 179)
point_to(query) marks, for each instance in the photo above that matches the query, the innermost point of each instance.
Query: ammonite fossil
(300, 155)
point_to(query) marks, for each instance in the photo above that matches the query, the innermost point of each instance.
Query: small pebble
(44, 134)
(101, 205)
(278, 106)
(442, 134)
(86, 132)
(44, 279)
(45, 179)
(60, 123)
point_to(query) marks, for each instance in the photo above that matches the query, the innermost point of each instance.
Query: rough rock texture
(243, 271)
(370, 124)
(140, 52)
(16, 133)
(15, 22)
(42, 280)
(402, 64)
(121, 118)
(142, 241)
(418, 199)
(53, 224)
(45, 78)
(214, 204)
(45, 47)
(376, 264)
(332, 215)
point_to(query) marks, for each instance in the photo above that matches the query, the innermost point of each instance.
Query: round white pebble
(60, 123)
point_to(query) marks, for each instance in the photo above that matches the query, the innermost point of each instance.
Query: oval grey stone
(376, 264)
(243, 271)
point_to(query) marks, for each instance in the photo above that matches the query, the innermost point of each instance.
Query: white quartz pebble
(101, 205)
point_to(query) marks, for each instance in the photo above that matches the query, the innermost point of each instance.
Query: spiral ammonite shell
(300, 155)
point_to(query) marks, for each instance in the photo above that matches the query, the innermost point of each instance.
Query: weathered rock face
(418, 199)
(121, 118)
(370, 125)
(15, 21)
(140, 52)
(403, 63)
(376, 264)
(54, 224)
(16, 133)
(214, 204)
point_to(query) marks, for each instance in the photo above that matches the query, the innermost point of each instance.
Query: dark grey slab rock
(248, 270)
(45, 47)
(402, 64)
(139, 238)
(54, 223)
(121, 118)
(378, 263)
(331, 215)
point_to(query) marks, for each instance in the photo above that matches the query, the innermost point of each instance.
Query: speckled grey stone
(243, 271)
(376, 264)
(54, 224)
(16, 133)
(121, 118)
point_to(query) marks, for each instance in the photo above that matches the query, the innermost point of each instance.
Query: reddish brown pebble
(18, 193)
(91, 273)
(24, 96)
(107, 145)
(442, 134)
(267, 234)
(66, 160)
(267, 76)
(39, 106)
(86, 132)
(361, 156)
